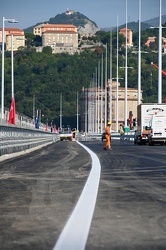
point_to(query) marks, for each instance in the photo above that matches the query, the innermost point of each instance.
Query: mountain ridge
(82, 22)
(85, 25)
(134, 26)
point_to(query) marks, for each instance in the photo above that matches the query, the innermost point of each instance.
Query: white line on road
(75, 232)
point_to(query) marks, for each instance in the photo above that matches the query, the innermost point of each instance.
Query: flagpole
(117, 79)
(125, 110)
(12, 63)
(106, 86)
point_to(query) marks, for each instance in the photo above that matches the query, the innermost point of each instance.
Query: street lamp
(12, 96)
(117, 101)
(159, 55)
(3, 48)
(139, 57)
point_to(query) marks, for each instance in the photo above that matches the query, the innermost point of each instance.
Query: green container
(127, 129)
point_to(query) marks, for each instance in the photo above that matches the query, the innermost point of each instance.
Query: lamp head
(12, 21)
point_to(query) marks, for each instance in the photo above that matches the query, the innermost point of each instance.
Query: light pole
(110, 76)
(106, 86)
(77, 114)
(159, 54)
(117, 75)
(125, 113)
(139, 57)
(160, 57)
(60, 116)
(117, 100)
(3, 48)
(12, 92)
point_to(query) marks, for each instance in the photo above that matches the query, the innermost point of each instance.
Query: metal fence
(14, 139)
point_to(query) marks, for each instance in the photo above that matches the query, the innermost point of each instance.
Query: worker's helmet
(109, 123)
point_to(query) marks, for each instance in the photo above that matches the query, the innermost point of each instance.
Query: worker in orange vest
(108, 136)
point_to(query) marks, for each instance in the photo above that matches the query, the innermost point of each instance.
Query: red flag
(12, 114)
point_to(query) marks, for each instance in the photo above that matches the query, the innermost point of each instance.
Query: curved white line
(76, 230)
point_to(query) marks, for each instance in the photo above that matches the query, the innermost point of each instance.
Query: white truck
(158, 129)
(145, 111)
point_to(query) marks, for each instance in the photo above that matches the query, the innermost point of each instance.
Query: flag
(12, 114)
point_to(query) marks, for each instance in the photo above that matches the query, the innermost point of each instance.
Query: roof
(15, 34)
(12, 29)
(60, 31)
(124, 29)
(47, 25)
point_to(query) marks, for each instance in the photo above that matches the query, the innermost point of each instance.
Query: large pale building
(15, 34)
(61, 37)
(41, 28)
(93, 107)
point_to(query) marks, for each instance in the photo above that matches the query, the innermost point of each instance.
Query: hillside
(134, 26)
(83, 23)
(155, 21)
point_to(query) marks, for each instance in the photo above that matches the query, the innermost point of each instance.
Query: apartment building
(129, 36)
(60, 41)
(40, 29)
(61, 37)
(93, 107)
(18, 41)
(18, 38)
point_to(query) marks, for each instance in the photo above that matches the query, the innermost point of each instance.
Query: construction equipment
(163, 72)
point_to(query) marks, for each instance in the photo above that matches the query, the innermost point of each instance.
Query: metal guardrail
(128, 136)
(14, 139)
(114, 135)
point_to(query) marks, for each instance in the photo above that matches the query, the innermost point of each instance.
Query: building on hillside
(41, 28)
(129, 36)
(61, 37)
(93, 107)
(18, 38)
(151, 39)
(69, 12)
(61, 41)
(18, 41)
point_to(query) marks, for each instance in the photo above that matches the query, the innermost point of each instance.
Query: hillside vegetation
(46, 75)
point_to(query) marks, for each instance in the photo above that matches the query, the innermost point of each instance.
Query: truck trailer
(145, 112)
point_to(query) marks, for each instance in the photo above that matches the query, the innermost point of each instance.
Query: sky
(103, 12)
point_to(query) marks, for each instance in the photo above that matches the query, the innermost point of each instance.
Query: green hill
(76, 19)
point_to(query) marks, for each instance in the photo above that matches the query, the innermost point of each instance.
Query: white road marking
(76, 230)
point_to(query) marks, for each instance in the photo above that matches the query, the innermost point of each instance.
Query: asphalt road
(39, 190)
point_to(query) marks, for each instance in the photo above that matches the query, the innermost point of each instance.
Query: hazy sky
(103, 12)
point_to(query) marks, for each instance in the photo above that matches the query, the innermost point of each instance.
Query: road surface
(39, 191)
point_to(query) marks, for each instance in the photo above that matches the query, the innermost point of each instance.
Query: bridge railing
(98, 136)
(14, 139)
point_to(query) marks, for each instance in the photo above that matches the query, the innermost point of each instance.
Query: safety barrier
(114, 135)
(128, 136)
(96, 136)
(14, 139)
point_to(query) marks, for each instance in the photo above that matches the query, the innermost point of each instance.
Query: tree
(47, 50)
